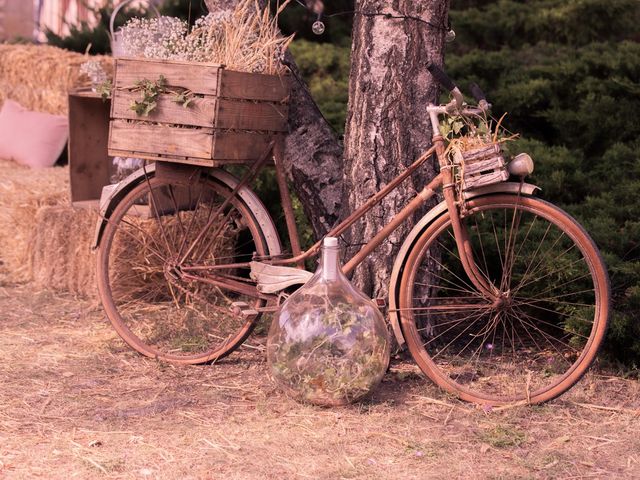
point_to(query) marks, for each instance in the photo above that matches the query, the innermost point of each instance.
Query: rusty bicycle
(499, 296)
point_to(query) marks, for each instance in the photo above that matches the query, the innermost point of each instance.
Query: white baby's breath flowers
(162, 37)
(93, 69)
(246, 39)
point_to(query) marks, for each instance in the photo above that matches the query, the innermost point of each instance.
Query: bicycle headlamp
(521, 165)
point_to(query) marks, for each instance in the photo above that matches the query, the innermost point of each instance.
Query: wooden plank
(235, 114)
(485, 164)
(160, 139)
(203, 162)
(490, 150)
(236, 146)
(86, 204)
(201, 78)
(253, 86)
(89, 165)
(201, 112)
(485, 179)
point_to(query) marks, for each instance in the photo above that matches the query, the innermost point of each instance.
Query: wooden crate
(482, 166)
(90, 167)
(232, 119)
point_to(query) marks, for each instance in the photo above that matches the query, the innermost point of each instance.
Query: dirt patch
(77, 403)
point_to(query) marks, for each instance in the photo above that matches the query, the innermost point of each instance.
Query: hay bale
(46, 241)
(43, 238)
(23, 192)
(59, 250)
(39, 77)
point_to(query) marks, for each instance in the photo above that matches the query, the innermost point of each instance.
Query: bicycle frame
(503, 322)
(443, 180)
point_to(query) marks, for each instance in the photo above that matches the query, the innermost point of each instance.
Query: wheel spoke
(528, 343)
(553, 341)
(475, 318)
(554, 287)
(157, 307)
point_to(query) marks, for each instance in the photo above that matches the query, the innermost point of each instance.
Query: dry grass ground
(77, 403)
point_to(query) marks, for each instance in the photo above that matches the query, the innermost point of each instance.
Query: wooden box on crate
(481, 166)
(90, 167)
(231, 118)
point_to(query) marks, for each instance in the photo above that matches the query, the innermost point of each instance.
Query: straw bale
(43, 239)
(40, 76)
(59, 250)
(23, 192)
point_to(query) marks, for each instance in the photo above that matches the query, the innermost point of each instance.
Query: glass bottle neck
(330, 263)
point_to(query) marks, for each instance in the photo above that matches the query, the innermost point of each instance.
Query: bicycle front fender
(113, 194)
(398, 267)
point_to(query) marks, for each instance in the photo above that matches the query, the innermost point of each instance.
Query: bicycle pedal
(244, 310)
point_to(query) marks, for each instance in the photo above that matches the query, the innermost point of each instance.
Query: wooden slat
(252, 86)
(200, 78)
(485, 164)
(476, 181)
(240, 115)
(234, 146)
(200, 112)
(89, 165)
(203, 162)
(160, 139)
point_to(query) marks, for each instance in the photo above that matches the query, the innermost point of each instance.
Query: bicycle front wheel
(164, 239)
(541, 333)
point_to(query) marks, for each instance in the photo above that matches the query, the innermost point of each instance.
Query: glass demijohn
(328, 343)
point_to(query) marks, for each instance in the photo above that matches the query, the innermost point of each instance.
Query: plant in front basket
(467, 133)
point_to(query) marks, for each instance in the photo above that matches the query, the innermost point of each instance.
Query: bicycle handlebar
(446, 82)
(458, 100)
(477, 93)
(441, 77)
(480, 97)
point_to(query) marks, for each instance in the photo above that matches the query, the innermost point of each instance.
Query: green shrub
(325, 67)
(568, 74)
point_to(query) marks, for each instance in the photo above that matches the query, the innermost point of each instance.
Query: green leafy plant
(151, 91)
(184, 97)
(104, 89)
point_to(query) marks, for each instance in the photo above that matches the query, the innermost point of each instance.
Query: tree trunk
(313, 158)
(387, 124)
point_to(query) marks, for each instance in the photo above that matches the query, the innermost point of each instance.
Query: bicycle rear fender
(110, 199)
(441, 208)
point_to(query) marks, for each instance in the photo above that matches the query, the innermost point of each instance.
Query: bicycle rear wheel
(539, 337)
(155, 237)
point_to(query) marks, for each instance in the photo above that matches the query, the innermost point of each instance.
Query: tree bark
(387, 124)
(313, 157)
